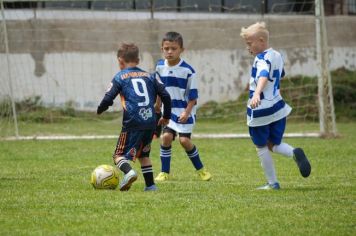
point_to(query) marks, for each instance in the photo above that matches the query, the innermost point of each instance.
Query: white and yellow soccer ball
(105, 177)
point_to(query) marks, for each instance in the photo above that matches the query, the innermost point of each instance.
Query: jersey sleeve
(157, 76)
(283, 73)
(263, 69)
(192, 87)
(113, 90)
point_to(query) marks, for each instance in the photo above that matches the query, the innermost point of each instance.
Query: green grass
(45, 190)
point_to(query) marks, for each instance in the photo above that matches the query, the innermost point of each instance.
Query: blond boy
(266, 109)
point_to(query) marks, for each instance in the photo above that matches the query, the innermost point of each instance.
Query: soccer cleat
(163, 176)
(127, 181)
(151, 188)
(302, 162)
(204, 175)
(274, 186)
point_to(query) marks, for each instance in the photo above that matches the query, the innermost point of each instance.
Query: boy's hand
(101, 109)
(162, 121)
(104, 105)
(255, 101)
(256, 98)
(183, 117)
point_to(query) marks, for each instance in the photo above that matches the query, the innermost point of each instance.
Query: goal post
(325, 91)
(7, 74)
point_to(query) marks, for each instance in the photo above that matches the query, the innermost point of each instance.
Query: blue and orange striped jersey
(138, 91)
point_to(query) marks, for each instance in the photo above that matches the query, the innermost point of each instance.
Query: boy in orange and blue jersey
(138, 91)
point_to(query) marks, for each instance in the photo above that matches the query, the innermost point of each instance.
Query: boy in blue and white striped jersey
(266, 110)
(179, 79)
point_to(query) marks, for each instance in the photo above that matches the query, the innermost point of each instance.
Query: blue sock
(194, 157)
(165, 155)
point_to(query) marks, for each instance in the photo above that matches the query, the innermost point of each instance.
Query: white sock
(284, 148)
(267, 164)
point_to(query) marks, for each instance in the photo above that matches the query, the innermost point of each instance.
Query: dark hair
(173, 37)
(128, 52)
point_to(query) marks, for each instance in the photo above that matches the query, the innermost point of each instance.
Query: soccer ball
(105, 177)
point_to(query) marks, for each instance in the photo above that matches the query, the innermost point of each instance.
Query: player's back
(138, 94)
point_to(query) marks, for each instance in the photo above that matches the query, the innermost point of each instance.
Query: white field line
(198, 136)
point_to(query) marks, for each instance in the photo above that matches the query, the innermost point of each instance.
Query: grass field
(45, 190)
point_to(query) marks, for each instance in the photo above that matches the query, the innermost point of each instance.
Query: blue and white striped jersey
(181, 85)
(272, 108)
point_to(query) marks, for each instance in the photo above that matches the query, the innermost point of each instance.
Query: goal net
(58, 57)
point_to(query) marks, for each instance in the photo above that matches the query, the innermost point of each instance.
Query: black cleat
(302, 162)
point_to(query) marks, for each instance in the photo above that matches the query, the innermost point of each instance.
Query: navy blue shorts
(134, 144)
(273, 132)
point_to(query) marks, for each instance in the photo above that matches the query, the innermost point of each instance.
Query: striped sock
(166, 153)
(124, 166)
(147, 172)
(194, 157)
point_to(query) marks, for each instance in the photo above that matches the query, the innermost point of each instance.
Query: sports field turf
(45, 190)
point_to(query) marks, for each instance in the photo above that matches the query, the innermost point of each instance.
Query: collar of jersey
(166, 64)
(131, 68)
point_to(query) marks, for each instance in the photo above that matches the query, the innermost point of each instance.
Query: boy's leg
(119, 155)
(275, 138)
(166, 154)
(259, 136)
(298, 155)
(122, 164)
(191, 150)
(130, 175)
(121, 158)
(147, 172)
(146, 165)
(284, 149)
(267, 164)
(193, 155)
(276, 133)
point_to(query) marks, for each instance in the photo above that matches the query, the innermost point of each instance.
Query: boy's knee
(117, 158)
(167, 139)
(270, 146)
(144, 161)
(262, 149)
(186, 143)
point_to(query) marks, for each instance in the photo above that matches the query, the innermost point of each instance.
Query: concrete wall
(73, 58)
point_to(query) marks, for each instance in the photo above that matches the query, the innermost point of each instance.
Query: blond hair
(258, 29)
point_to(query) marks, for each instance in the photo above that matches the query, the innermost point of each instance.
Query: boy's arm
(186, 113)
(167, 103)
(158, 105)
(109, 97)
(192, 98)
(256, 100)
